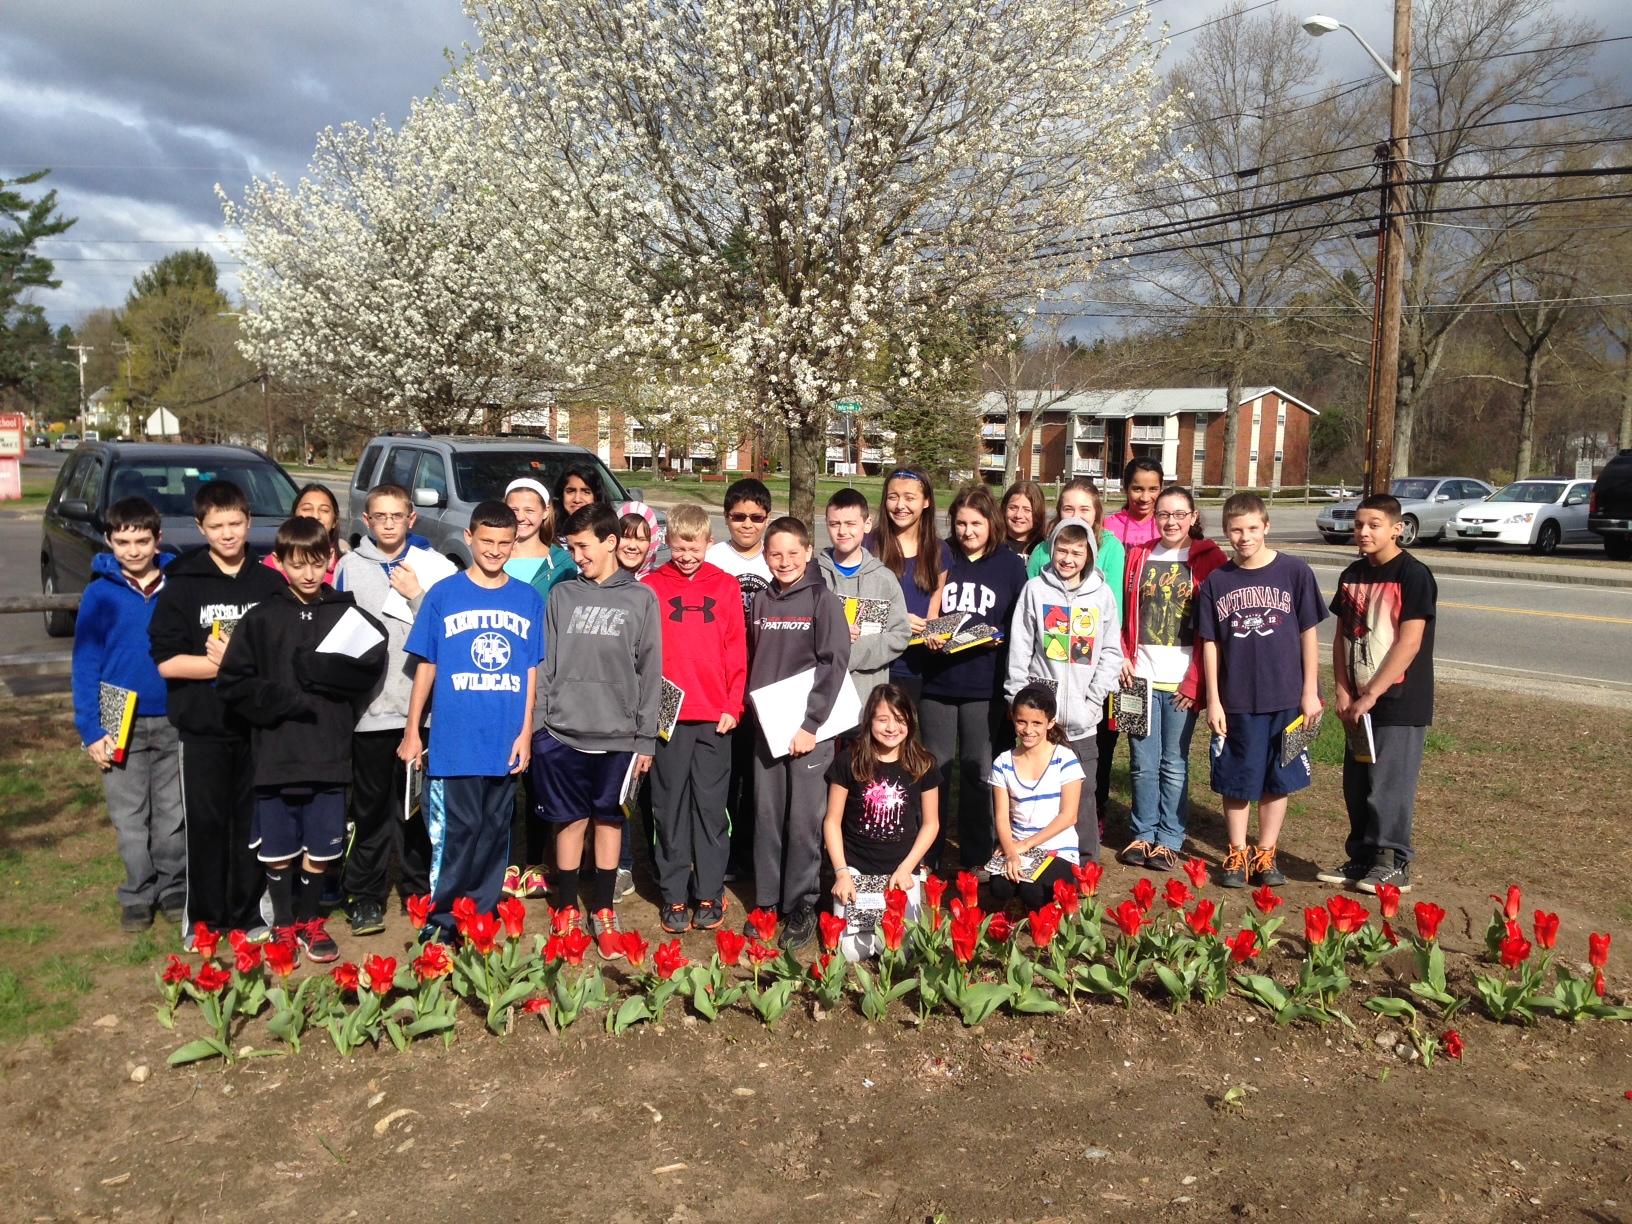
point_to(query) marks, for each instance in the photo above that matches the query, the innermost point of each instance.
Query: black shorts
(292, 821)
(575, 785)
(1247, 761)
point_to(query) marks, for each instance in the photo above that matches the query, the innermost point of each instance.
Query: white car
(1427, 506)
(1535, 514)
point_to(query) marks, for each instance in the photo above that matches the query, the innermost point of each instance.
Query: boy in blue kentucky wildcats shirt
(479, 638)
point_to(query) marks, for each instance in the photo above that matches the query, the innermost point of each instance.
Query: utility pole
(82, 349)
(1391, 287)
(125, 348)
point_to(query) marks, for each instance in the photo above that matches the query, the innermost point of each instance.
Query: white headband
(527, 482)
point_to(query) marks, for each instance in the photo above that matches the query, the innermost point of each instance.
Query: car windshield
(170, 484)
(1542, 491)
(1414, 490)
(480, 474)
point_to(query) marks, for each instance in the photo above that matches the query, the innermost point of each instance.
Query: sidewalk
(1487, 565)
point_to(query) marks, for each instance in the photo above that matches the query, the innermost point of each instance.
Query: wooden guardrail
(39, 603)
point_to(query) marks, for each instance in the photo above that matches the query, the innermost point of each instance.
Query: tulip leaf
(1386, 1005)
(197, 1051)
(979, 1002)
(633, 1011)
(1605, 1011)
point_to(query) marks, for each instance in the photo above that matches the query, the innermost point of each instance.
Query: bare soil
(1106, 1113)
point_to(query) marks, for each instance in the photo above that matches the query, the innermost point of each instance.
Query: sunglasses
(739, 517)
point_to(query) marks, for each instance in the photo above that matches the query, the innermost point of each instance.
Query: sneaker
(259, 933)
(318, 944)
(709, 915)
(512, 882)
(1235, 868)
(798, 930)
(534, 884)
(1396, 873)
(174, 908)
(1135, 854)
(625, 884)
(135, 918)
(365, 917)
(1160, 858)
(604, 930)
(1263, 867)
(1348, 875)
(676, 918)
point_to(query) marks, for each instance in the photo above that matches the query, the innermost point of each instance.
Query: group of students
(550, 659)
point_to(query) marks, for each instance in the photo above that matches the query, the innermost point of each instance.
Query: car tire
(1546, 541)
(57, 624)
(1618, 548)
(1332, 538)
(1409, 527)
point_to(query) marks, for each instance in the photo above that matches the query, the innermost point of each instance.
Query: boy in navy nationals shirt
(479, 639)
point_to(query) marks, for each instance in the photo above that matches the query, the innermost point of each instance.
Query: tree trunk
(1625, 441)
(1405, 418)
(1232, 406)
(806, 442)
(1011, 437)
(1527, 410)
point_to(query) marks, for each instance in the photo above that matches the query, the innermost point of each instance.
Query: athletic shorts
(1247, 761)
(571, 784)
(291, 821)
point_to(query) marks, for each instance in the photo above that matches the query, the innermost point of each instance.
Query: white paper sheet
(353, 634)
(780, 708)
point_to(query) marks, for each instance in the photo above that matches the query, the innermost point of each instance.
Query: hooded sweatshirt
(300, 702)
(365, 573)
(794, 630)
(197, 596)
(1070, 636)
(705, 644)
(602, 674)
(872, 653)
(110, 645)
(1205, 557)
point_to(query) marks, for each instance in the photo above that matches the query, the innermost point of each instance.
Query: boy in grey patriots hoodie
(851, 572)
(1067, 632)
(387, 574)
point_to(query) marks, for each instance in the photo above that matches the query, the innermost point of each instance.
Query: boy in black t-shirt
(1383, 661)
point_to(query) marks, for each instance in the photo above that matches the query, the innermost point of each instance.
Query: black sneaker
(318, 944)
(134, 919)
(798, 930)
(676, 919)
(1396, 873)
(1235, 868)
(1161, 858)
(1264, 870)
(1134, 854)
(174, 908)
(709, 916)
(1348, 875)
(365, 917)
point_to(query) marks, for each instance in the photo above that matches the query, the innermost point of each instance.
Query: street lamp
(1388, 302)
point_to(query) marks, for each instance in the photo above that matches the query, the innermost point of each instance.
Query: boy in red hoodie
(705, 656)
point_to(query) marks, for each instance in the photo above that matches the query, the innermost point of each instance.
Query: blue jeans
(1161, 774)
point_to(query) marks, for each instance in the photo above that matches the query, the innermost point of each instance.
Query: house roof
(1152, 401)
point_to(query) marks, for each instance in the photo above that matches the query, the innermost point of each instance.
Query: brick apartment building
(617, 437)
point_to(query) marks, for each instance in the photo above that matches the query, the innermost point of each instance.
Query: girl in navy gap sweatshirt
(963, 713)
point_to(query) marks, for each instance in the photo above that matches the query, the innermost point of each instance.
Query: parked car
(1427, 505)
(66, 443)
(1537, 514)
(101, 473)
(1609, 510)
(448, 474)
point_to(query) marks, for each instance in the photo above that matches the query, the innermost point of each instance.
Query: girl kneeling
(1035, 788)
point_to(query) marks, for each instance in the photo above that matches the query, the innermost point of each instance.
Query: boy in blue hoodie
(142, 780)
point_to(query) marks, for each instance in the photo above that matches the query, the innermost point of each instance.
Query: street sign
(847, 406)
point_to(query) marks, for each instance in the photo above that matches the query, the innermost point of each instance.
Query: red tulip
(1429, 916)
(831, 927)
(1513, 903)
(1451, 1041)
(382, 972)
(176, 970)
(1066, 897)
(574, 944)
(668, 959)
(1598, 982)
(464, 909)
(1388, 900)
(934, 891)
(760, 953)
(281, 957)
(248, 957)
(965, 938)
(346, 977)
(1087, 877)
(1045, 924)
(1196, 869)
(1598, 950)
(1515, 950)
(1000, 929)
(893, 928)
(211, 978)
(1129, 918)
(205, 940)
(1546, 928)
(1315, 923)
(419, 910)
(432, 962)
(553, 949)
(818, 967)
(535, 1005)
(1177, 895)
(969, 888)
(513, 914)
(481, 932)
(895, 901)
(1243, 945)
(764, 923)
(634, 947)
(237, 939)
(1264, 899)
(1144, 894)
(1348, 915)
(565, 919)
(1200, 919)
(729, 944)
(1388, 934)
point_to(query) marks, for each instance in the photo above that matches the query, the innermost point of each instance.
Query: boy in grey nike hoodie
(851, 572)
(1067, 632)
(602, 681)
(797, 625)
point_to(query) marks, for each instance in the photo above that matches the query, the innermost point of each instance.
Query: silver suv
(448, 474)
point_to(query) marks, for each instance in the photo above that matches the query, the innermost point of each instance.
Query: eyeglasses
(739, 517)
(1173, 516)
(386, 518)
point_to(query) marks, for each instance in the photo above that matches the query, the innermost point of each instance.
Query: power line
(1229, 16)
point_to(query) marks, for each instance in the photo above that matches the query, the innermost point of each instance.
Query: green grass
(42, 996)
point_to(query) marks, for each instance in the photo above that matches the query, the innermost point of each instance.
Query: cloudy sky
(140, 109)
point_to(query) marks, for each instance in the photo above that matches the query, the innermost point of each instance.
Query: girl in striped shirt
(1035, 787)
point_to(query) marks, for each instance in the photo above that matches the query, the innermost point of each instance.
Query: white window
(1277, 456)
(1252, 457)
(1036, 448)
(1198, 456)
(1280, 417)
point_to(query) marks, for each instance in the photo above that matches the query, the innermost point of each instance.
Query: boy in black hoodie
(797, 625)
(301, 702)
(206, 592)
